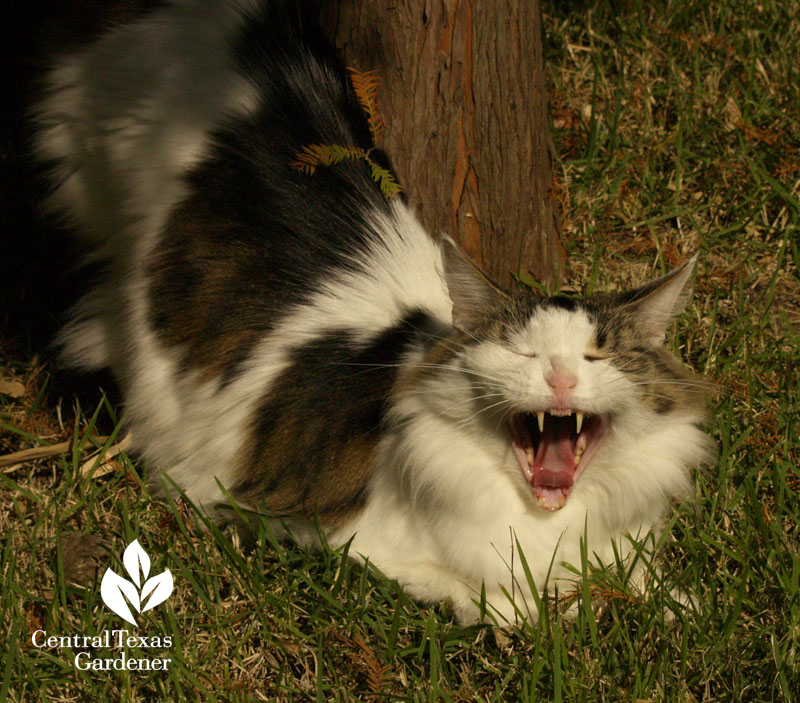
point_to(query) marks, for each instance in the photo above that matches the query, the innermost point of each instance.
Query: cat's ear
(473, 293)
(655, 304)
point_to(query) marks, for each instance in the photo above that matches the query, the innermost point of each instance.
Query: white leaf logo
(161, 587)
(115, 590)
(136, 561)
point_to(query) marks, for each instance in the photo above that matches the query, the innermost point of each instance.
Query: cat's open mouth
(552, 448)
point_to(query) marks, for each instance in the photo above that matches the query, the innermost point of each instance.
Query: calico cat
(301, 340)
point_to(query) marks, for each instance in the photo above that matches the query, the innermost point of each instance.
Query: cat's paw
(677, 601)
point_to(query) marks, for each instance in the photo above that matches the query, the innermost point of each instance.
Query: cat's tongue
(554, 464)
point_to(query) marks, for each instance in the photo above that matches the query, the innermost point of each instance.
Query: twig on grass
(11, 462)
(16, 459)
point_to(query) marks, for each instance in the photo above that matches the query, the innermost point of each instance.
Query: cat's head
(557, 376)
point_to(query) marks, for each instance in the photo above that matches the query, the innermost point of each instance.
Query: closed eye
(594, 357)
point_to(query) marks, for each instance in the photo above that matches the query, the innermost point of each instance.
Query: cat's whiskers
(684, 386)
(495, 389)
(648, 388)
(648, 384)
(631, 360)
(626, 365)
(468, 420)
(445, 367)
(505, 416)
(650, 394)
(471, 399)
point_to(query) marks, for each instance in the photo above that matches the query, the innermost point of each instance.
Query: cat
(299, 340)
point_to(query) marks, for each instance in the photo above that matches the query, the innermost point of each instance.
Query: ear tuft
(472, 292)
(658, 302)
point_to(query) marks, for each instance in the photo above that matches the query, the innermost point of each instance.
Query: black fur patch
(562, 302)
(315, 434)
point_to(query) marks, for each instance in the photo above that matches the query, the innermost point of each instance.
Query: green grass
(678, 124)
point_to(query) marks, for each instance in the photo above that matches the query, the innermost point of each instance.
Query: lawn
(677, 126)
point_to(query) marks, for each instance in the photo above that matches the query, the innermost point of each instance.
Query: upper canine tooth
(540, 418)
(578, 422)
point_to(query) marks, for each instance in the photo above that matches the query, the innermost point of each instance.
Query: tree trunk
(464, 106)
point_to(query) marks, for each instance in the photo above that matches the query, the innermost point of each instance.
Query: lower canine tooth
(529, 455)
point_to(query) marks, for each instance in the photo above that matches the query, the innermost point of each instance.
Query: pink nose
(562, 381)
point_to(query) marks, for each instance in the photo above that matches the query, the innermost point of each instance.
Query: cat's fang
(540, 418)
(578, 422)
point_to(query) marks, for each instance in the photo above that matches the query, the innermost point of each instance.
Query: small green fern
(314, 155)
(384, 178)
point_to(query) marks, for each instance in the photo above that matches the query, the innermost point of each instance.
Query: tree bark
(465, 111)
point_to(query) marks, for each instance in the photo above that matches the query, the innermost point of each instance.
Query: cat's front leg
(429, 583)
(470, 604)
(645, 582)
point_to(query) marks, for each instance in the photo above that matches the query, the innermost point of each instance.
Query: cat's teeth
(529, 455)
(540, 418)
(580, 446)
(578, 422)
